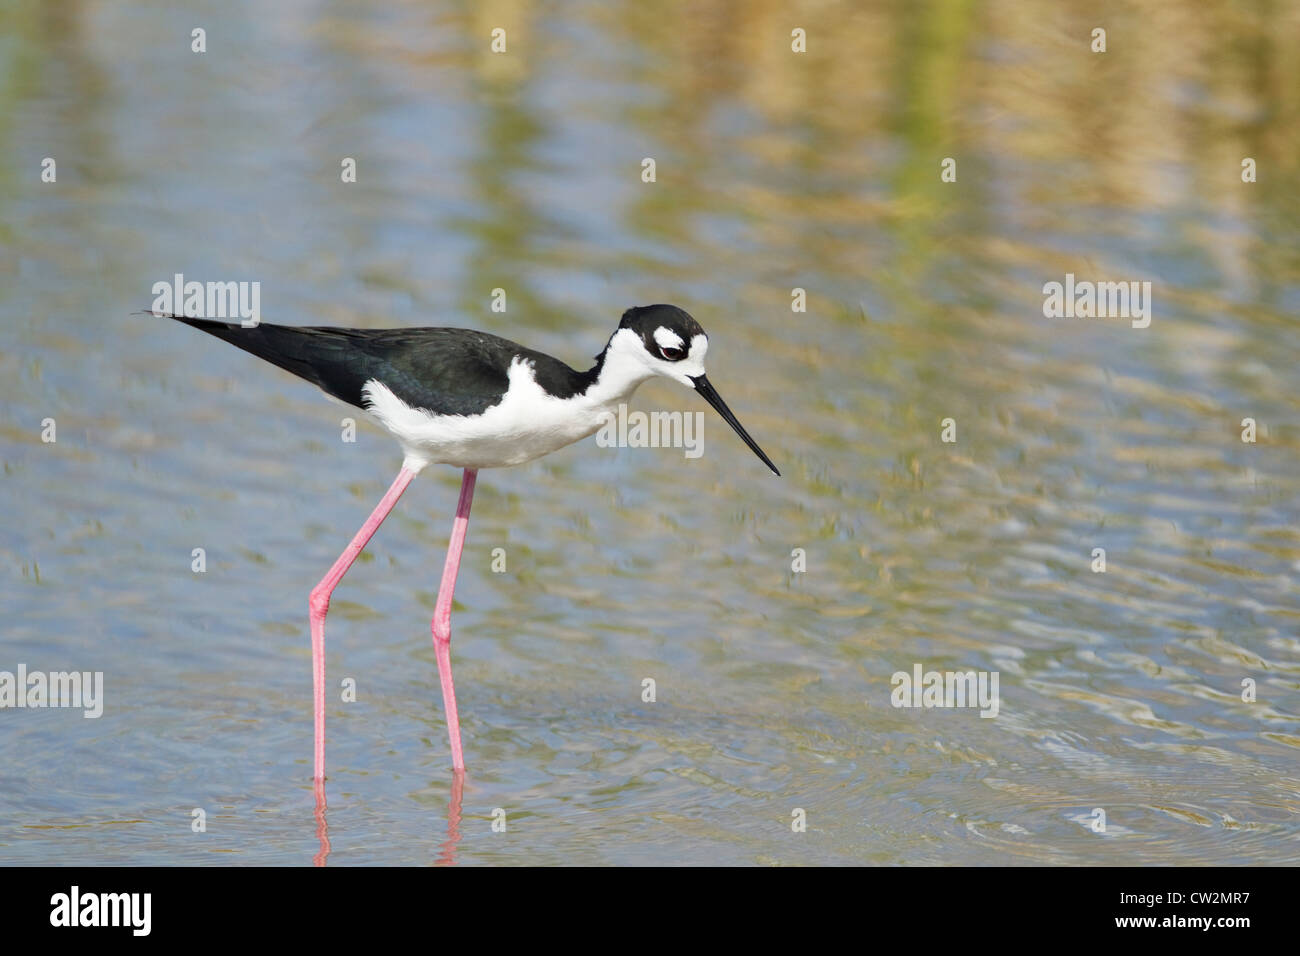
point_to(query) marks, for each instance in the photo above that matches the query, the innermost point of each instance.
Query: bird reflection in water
(447, 853)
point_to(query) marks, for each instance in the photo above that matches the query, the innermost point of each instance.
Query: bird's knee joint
(319, 601)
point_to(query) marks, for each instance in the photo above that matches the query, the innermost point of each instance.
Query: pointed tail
(325, 357)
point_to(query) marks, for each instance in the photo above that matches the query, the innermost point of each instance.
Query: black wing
(446, 371)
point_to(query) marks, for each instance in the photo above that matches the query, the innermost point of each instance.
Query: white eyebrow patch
(668, 339)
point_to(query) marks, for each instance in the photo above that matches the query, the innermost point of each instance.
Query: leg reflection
(322, 828)
(448, 855)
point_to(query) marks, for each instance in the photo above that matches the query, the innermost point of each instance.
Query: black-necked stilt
(473, 400)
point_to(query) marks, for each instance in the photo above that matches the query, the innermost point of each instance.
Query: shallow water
(1119, 691)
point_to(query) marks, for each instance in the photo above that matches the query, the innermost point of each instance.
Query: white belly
(528, 423)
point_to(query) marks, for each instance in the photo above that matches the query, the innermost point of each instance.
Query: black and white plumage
(475, 400)
(472, 400)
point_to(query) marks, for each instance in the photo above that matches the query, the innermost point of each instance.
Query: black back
(446, 371)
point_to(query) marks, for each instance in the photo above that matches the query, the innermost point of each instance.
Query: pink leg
(319, 604)
(442, 614)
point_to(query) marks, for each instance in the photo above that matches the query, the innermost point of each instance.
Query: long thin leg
(442, 614)
(319, 604)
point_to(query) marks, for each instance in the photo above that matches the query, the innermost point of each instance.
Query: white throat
(622, 371)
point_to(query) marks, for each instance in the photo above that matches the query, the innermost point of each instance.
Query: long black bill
(711, 396)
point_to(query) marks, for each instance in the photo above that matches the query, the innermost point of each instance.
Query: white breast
(526, 424)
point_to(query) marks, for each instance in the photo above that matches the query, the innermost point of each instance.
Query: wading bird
(472, 400)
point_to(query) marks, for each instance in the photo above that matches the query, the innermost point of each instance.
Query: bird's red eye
(671, 354)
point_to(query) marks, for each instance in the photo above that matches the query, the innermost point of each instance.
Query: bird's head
(667, 341)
